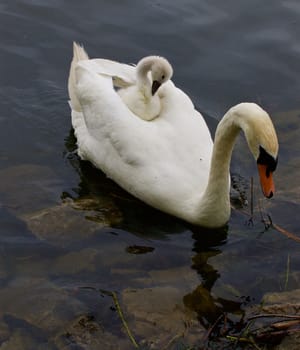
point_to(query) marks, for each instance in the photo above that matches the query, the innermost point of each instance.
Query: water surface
(67, 232)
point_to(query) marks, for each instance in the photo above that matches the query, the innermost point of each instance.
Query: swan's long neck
(214, 208)
(143, 81)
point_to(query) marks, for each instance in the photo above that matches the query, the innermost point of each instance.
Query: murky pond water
(72, 242)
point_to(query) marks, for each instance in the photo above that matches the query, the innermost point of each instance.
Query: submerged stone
(71, 221)
(158, 317)
(39, 303)
(284, 302)
(86, 333)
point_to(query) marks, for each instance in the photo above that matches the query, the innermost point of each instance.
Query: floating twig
(211, 329)
(271, 333)
(274, 316)
(121, 315)
(267, 223)
(287, 272)
(243, 340)
(275, 336)
(245, 332)
(278, 228)
(285, 324)
(252, 197)
(119, 310)
(250, 221)
(286, 233)
(172, 341)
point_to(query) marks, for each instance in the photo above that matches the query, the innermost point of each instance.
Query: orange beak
(266, 182)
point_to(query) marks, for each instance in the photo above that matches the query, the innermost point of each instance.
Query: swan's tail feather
(79, 54)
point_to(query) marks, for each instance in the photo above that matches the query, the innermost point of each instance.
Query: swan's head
(160, 70)
(262, 140)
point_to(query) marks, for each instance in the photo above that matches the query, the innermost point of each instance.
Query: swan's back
(161, 162)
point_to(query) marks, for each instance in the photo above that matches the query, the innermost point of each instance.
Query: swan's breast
(142, 106)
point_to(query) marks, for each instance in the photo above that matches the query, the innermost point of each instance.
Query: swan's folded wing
(123, 75)
(107, 118)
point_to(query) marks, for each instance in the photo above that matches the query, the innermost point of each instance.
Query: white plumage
(166, 161)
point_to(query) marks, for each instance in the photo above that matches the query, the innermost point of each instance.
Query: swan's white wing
(123, 75)
(108, 120)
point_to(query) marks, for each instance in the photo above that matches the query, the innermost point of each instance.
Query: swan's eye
(266, 159)
(162, 77)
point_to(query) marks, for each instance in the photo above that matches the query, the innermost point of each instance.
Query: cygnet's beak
(266, 180)
(155, 86)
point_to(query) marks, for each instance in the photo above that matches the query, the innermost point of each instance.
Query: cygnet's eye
(162, 77)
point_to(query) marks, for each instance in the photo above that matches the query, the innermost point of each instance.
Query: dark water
(66, 229)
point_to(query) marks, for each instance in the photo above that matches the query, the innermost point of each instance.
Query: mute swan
(139, 90)
(171, 162)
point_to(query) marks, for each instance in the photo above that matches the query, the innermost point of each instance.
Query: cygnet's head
(160, 69)
(161, 72)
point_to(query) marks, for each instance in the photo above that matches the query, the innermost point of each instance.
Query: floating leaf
(139, 249)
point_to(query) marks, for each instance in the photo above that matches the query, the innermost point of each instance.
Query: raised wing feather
(123, 75)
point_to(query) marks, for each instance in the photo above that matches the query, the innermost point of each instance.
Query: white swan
(171, 162)
(138, 86)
